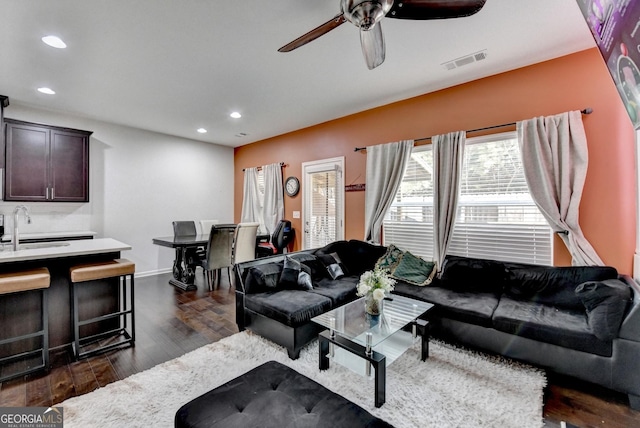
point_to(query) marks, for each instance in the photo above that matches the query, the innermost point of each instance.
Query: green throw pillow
(390, 258)
(414, 270)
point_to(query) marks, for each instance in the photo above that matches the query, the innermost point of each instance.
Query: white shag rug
(453, 388)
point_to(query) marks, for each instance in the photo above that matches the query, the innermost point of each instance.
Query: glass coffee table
(354, 336)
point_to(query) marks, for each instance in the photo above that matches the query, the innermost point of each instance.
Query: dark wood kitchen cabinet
(46, 163)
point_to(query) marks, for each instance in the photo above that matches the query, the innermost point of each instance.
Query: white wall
(139, 183)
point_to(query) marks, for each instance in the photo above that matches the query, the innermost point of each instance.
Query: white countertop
(50, 250)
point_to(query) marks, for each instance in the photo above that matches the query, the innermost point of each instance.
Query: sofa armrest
(630, 328)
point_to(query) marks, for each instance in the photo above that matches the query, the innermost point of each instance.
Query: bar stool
(20, 282)
(83, 274)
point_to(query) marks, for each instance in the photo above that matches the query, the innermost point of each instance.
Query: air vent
(465, 60)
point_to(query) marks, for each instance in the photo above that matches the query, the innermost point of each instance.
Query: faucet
(16, 211)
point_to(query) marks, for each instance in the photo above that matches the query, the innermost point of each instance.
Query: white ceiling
(172, 66)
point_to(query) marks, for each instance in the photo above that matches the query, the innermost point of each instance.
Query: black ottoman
(273, 395)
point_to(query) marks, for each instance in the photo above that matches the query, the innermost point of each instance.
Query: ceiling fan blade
(434, 9)
(372, 42)
(336, 21)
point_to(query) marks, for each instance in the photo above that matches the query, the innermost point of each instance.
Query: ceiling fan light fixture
(235, 115)
(364, 14)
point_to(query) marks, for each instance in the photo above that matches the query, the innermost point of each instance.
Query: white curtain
(385, 167)
(448, 155)
(251, 197)
(555, 158)
(273, 205)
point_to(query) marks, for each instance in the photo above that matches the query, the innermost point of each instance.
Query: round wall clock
(292, 186)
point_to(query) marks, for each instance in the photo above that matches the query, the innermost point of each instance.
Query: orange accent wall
(573, 82)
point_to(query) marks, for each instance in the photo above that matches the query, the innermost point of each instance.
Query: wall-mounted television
(615, 25)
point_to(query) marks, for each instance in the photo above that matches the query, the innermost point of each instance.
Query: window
(496, 218)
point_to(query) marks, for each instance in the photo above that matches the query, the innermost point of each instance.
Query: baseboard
(153, 272)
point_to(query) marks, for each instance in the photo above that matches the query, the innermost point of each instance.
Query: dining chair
(184, 228)
(218, 255)
(188, 228)
(205, 225)
(244, 243)
(278, 241)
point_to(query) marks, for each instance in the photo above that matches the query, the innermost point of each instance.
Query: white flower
(377, 280)
(378, 294)
(363, 289)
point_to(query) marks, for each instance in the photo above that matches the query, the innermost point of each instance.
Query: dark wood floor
(170, 323)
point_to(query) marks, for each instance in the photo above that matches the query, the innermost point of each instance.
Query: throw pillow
(606, 304)
(304, 281)
(390, 258)
(333, 265)
(266, 276)
(414, 270)
(290, 271)
(312, 263)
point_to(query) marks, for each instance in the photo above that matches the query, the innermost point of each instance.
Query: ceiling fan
(367, 14)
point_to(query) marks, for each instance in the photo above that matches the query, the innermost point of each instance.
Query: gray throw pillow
(304, 281)
(333, 264)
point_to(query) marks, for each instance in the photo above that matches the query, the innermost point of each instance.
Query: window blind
(496, 217)
(324, 208)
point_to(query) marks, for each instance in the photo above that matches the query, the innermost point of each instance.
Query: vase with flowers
(374, 286)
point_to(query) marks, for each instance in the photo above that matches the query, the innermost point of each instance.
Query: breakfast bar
(16, 311)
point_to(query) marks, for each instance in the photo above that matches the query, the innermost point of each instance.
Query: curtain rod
(587, 110)
(259, 167)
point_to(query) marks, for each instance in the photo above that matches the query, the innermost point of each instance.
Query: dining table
(187, 259)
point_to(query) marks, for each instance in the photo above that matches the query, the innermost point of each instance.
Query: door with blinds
(323, 202)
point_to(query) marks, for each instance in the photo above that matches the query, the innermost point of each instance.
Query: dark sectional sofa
(579, 321)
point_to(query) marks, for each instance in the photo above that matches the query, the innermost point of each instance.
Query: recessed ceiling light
(202, 130)
(54, 42)
(47, 91)
(235, 115)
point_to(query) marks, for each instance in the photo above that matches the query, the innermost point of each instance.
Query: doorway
(323, 202)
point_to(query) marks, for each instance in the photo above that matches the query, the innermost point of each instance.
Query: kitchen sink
(36, 245)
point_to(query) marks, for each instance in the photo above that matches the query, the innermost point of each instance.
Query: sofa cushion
(414, 270)
(390, 258)
(472, 307)
(339, 247)
(471, 274)
(262, 278)
(340, 291)
(290, 307)
(361, 256)
(554, 286)
(606, 303)
(548, 324)
(333, 264)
